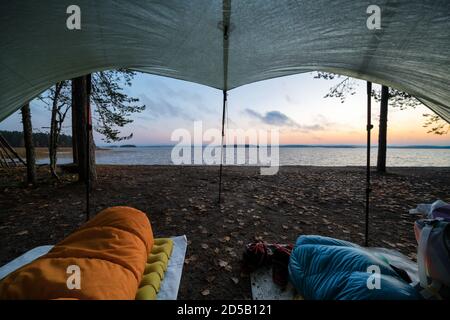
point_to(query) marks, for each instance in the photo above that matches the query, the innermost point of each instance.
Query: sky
(294, 104)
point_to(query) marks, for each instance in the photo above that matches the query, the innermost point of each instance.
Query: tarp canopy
(266, 39)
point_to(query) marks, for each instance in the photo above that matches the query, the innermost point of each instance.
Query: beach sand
(42, 153)
(183, 200)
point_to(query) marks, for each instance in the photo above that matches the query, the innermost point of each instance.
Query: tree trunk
(52, 146)
(382, 134)
(29, 146)
(74, 129)
(84, 142)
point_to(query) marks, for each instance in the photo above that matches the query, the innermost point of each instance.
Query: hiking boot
(280, 262)
(256, 255)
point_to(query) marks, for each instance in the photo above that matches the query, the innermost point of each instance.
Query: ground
(42, 153)
(184, 200)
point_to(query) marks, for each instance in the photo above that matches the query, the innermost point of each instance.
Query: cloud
(185, 97)
(275, 118)
(314, 127)
(279, 119)
(163, 107)
(324, 121)
(290, 99)
(335, 126)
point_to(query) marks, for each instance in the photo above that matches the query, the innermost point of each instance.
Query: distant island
(240, 146)
(128, 146)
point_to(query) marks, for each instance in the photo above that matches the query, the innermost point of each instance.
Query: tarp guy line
(226, 8)
(369, 127)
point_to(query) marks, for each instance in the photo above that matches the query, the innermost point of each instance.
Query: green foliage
(435, 124)
(113, 107)
(397, 99)
(340, 90)
(61, 94)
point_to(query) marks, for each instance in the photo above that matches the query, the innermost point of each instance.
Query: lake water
(308, 156)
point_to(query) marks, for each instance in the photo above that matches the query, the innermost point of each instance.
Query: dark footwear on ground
(256, 255)
(280, 262)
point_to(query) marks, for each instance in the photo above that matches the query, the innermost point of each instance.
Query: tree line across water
(40, 139)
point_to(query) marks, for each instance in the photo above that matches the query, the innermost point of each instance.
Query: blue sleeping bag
(323, 268)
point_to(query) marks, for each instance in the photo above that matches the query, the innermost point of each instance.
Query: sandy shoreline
(183, 200)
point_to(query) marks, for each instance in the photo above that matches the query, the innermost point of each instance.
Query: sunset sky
(295, 105)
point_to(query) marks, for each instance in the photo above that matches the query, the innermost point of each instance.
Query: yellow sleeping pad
(160, 241)
(146, 293)
(151, 279)
(160, 258)
(156, 266)
(165, 246)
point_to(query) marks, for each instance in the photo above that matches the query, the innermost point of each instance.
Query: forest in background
(41, 139)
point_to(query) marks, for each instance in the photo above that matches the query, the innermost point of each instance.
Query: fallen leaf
(223, 263)
(193, 257)
(205, 292)
(190, 259)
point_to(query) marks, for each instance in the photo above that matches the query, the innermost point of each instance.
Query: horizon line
(414, 146)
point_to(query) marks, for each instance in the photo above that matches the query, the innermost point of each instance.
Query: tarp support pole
(226, 13)
(221, 145)
(88, 211)
(368, 189)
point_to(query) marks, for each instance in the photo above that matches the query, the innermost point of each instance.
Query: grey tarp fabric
(267, 39)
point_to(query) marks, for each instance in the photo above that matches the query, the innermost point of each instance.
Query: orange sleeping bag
(110, 252)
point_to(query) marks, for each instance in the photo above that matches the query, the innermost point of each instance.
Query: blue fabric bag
(323, 268)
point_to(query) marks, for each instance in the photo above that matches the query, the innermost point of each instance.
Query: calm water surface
(309, 156)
